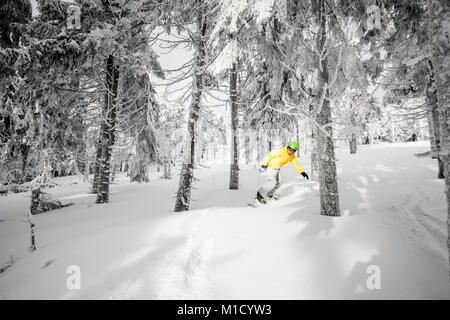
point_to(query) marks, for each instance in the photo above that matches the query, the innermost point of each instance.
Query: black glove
(305, 175)
(262, 169)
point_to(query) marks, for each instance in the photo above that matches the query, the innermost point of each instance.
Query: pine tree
(439, 16)
(169, 136)
(329, 196)
(13, 14)
(108, 129)
(234, 167)
(413, 70)
(183, 195)
(139, 122)
(61, 66)
(426, 20)
(122, 37)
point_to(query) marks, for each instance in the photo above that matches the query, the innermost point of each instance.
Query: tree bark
(183, 195)
(431, 130)
(80, 152)
(24, 151)
(329, 197)
(98, 156)
(260, 147)
(434, 125)
(108, 129)
(352, 142)
(168, 166)
(166, 171)
(314, 157)
(86, 160)
(113, 175)
(234, 166)
(247, 148)
(169, 169)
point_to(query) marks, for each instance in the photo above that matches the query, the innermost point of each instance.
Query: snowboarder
(270, 168)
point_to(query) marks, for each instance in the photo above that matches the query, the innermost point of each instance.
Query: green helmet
(293, 146)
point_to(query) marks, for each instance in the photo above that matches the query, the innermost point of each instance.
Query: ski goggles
(293, 150)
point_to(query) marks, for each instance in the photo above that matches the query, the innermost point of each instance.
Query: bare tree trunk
(183, 195)
(369, 134)
(80, 159)
(107, 129)
(204, 153)
(314, 155)
(24, 151)
(98, 156)
(35, 193)
(86, 166)
(247, 148)
(32, 235)
(169, 169)
(166, 169)
(393, 139)
(234, 166)
(329, 197)
(167, 166)
(113, 175)
(434, 125)
(314, 158)
(81, 148)
(352, 142)
(431, 130)
(260, 147)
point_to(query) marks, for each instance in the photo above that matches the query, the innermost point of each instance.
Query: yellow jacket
(279, 157)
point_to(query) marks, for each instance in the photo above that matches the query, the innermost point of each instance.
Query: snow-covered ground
(135, 247)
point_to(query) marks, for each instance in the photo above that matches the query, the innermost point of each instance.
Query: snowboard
(255, 204)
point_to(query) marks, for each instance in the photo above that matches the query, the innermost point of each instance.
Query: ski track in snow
(426, 231)
(184, 273)
(181, 274)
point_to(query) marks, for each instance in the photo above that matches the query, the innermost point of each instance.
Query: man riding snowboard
(271, 165)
